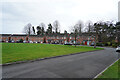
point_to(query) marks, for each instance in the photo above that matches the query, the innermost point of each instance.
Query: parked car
(92, 44)
(68, 43)
(35, 42)
(25, 41)
(17, 41)
(2, 41)
(118, 49)
(12, 41)
(38, 42)
(30, 41)
(55, 42)
(9, 41)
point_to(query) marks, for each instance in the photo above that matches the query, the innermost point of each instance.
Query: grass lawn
(111, 72)
(12, 52)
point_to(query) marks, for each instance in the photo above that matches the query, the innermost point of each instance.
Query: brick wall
(49, 39)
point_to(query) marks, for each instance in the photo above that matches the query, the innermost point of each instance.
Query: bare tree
(77, 29)
(43, 27)
(80, 27)
(28, 29)
(89, 27)
(74, 30)
(56, 26)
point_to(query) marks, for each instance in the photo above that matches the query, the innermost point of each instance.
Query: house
(60, 38)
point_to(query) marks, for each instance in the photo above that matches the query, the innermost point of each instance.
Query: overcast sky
(17, 13)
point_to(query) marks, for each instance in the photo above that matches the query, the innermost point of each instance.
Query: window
(92, 38)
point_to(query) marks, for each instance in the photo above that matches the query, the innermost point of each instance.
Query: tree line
(106, 31)
(41, 28)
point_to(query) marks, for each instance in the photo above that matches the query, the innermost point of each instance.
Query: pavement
(85, 65)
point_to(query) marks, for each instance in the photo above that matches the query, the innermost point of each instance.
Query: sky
(119, 11)
(15, 14)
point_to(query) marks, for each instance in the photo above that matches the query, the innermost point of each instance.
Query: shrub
(82, 43)
(109, 43)
(119, 43)
(21, 40)
(105, 44)
(114, 45)
(99, 44)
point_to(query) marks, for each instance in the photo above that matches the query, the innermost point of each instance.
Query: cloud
(17, 13)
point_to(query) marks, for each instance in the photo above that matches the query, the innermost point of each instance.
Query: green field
(12, 52)
(111, 72)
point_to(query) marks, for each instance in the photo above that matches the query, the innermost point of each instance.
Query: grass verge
(12, 52)
(112, 73)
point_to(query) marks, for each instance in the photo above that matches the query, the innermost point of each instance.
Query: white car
(118, 49)
(12, 41)
(30, 41)
(24, 41)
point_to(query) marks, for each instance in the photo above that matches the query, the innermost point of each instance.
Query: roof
(50, 35)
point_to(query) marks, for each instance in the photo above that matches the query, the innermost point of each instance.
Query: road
(85, 65)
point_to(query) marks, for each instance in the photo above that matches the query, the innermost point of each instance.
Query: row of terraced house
(60, 38)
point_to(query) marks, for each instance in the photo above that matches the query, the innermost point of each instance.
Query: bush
(114, 45)
(105, 44)
(21, 40)
(82, 43)
(119, 43)
(99, 44)
(109, 43)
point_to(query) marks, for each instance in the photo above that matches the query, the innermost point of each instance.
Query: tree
(98, 30)
(56, 26)
(79, 27)
(50, 27)
(28, 29)
(110, 31)
(42, 25)
(75, 32)
(43, 31)
(89, 27)
(49, 30)
(33, 30)
(105, 31)
(65, 32)
(39, 30)
(118, 31)
(21, 40)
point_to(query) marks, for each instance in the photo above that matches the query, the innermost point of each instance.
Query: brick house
(60, 38)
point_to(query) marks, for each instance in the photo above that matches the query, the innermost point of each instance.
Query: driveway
(85, 65)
